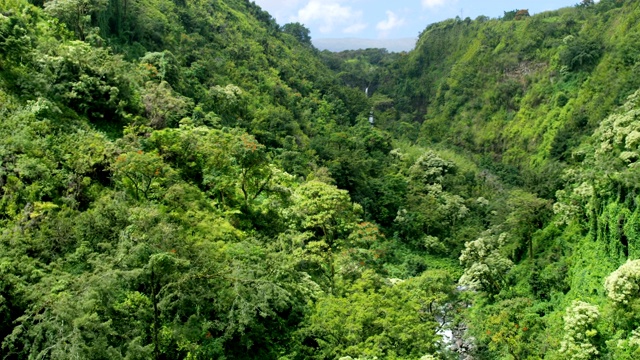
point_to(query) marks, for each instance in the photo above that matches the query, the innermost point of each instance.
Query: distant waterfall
(366, 92)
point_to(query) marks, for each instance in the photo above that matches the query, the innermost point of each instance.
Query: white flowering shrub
(565, 212)
(623, 349)
(434, 245)
(482, 201)
(622, 284)
(573, 205)
(620, 133)
(579, 331)
(484, 263)
(431, 169)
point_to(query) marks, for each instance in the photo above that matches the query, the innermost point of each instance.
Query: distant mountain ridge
(392, 45)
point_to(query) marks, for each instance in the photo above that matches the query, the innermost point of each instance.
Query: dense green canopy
(189, 180)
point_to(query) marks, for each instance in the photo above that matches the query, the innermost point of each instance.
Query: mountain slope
(526, 90)
(189, 180)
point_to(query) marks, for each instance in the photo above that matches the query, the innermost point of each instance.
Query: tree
(163, 66)
(142, 174)
(326, 214)
(255, 172)
(579, 331)
(163, 106)
(510, 328)
(429, 208)
(228, 102)
(510, 15)
(485, 264)
(162, 271)
(76, 13)
(380, 319)
(90, 80)
(521, 14)
(430, 169)
(586, 3)
(528, 213)
(299, 32)
(324, 209)
(581, 53)
(623, 285)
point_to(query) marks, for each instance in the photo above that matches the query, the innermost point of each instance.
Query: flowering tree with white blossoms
(579, 331)
(485, 265)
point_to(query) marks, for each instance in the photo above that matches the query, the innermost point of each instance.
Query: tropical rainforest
(188, 179)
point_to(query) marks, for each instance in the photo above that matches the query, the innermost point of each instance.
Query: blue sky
(378, 19)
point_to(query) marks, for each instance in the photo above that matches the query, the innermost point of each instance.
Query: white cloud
(355, 28)
(433, 3)
(278, 3)
(330, 15)
(392, 22)
(280, 9)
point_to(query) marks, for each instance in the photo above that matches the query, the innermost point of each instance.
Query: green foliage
(490, 86)
(163, 107)
(485, 267)
(299, 32)
(377, 318)
(580, 53)
(622, 289)
(323, 209)
(622, 284)
(142, 174)
(579, 327)
(187, 179)
(510, 329)
(76, 14)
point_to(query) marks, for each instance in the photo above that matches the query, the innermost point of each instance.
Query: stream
(453, 335)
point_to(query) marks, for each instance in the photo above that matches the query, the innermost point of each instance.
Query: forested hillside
(187, 179)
